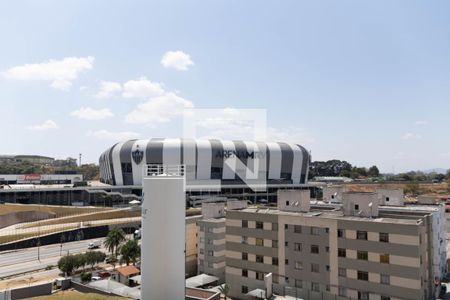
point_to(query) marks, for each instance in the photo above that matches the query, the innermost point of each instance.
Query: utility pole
(79, 155)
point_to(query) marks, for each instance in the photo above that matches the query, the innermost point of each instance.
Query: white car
(95, 278)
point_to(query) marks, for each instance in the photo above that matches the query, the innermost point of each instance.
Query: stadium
(278, 165)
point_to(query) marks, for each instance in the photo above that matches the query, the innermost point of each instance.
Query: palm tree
(224, 289)
(130, 252)
(114, 239)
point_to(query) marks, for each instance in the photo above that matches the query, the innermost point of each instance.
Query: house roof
(128, 271)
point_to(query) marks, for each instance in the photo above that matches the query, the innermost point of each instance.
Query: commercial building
(10, 179)
(357, 250)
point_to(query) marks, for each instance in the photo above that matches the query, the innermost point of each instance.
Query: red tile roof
(128, 271)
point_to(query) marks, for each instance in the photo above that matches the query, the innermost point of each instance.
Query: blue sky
(364, 81)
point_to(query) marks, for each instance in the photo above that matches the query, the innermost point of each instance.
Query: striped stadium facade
(281, 163)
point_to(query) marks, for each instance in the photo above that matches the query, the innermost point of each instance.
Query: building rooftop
(337, 213)
(128, 270)
(199, 293)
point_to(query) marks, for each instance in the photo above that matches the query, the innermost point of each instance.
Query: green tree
(79, 261)
(130, 252)
(114, 239)
(86, 276)
(373, 171)
(94, 257)
(112, 260)
(67, 264)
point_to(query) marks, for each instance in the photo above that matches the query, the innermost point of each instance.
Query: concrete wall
(390, 196)
(23, 216)
(55, 238)
(294, 200)
(360, 204)
(333, 193)
(32, 291)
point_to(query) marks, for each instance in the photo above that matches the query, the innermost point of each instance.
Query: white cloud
(46, 125)
(142, 88)
(159, 109)
(108, 89)
(177, 60)
(60, 73)
(421, 123)
(113, 135)
(87, 113)
(411, 136)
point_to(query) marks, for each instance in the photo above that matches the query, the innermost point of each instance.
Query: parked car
(95, 278)
(103, 274)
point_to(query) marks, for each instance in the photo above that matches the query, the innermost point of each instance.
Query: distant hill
(436, 170)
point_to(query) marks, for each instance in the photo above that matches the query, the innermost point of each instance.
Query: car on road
(94, 245)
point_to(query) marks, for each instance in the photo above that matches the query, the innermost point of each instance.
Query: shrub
(86, 276)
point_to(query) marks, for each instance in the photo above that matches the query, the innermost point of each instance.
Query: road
(26, 260)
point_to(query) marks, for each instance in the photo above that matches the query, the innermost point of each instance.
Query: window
(384, 258)
(244, 273)
(286, 261)
(384, 237)
(244, 240)
(244, 224)
(342, 272)
(361, 235)
(259, 259)
(340, 233)
(299, 265)
(202, 240)
(259, 225)
(327, 230)
(315, 268)
(244, 289)
(298, 283)
(385, 279)
(286, 226)
(210, 253)
(327, 287)
(209, 241)
(387, 199)
(315, 249)
(259, 242)
(342, 291)
(274, 243)
(287, 203)
(201, 262)
(202, 228)
(297, 229)
(259, 276)
(274, 226)
(362, 275)
(275, 261)
(385, 298)
(210, 230)
(327, 249)
(362, 255)
(202, 251)
(297, 247)
(315, 287)
(356, 207)
(363, 296)
(342, 252)
(210, 264)
(244, 256)
(315, 230)
(286, 244)
(327, 268)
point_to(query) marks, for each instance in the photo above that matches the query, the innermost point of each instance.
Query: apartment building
(211, 238)
(356, 251)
